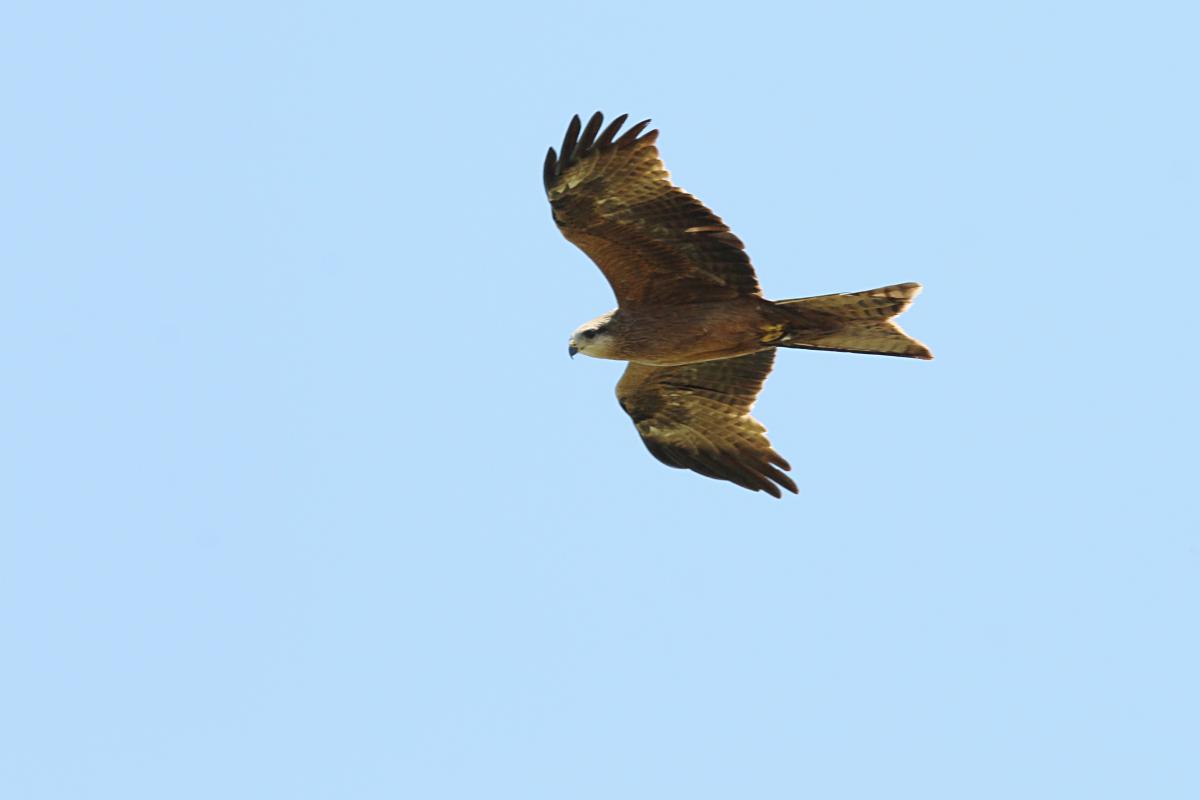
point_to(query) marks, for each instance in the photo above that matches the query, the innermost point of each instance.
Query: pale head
(594, 338)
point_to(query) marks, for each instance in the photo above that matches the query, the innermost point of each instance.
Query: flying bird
(691, 321)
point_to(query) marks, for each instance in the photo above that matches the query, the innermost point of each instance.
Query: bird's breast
(687, 334)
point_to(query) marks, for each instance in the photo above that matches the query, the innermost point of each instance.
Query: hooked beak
(572, 349)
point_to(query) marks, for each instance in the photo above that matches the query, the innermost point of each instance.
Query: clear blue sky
(300, 495)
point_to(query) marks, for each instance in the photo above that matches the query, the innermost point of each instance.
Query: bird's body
(692, 322)
(687, 334)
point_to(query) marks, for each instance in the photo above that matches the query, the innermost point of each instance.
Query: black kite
(691, 321)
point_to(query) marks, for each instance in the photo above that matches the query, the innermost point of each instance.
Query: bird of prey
(691, 322)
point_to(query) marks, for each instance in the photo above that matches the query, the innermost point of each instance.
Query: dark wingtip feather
(570, 139)
(589, 133)
(549, 168)
(632, 133)
(765, 468)
(610, 132)
(783, 480)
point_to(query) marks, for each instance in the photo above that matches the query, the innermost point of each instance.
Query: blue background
(301, 496)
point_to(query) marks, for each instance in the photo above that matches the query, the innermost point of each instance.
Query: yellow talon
(771, 333)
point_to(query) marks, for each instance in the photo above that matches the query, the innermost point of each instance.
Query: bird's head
(593, 338)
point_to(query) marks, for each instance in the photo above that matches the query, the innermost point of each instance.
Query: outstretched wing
(697, 417)
(654, 242)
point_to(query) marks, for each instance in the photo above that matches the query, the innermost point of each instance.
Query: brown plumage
(697, 416)
(691, 321)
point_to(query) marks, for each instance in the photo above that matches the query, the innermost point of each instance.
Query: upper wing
(653, 241)
(697, 417)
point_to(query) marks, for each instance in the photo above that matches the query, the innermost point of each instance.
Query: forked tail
(866, 324)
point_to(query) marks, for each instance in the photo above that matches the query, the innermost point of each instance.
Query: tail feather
(866, 324)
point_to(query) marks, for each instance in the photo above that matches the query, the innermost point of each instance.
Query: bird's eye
(591, 334)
